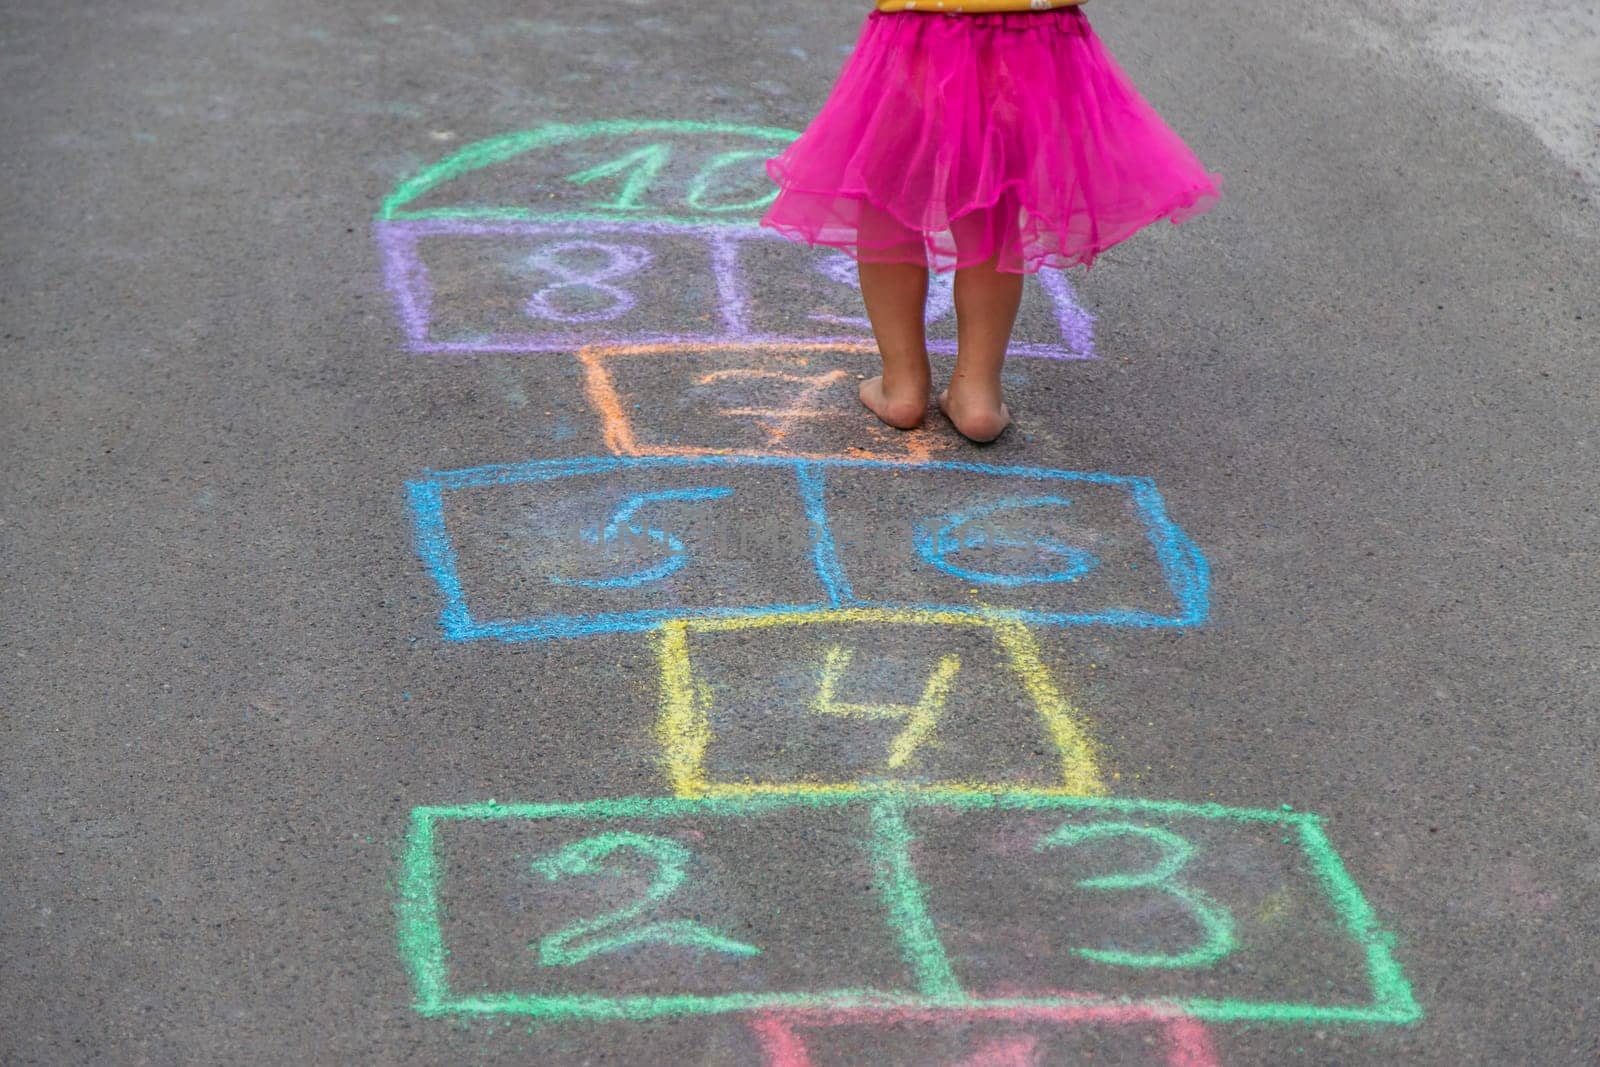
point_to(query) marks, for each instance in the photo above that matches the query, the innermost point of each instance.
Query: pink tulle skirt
(958, 139)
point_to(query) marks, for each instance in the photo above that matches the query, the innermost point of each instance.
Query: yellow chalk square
(684, 726)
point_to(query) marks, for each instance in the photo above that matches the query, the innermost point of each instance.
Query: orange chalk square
(743, 398)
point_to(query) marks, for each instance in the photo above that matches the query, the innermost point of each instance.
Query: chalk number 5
(610, 931)
(1216, 924)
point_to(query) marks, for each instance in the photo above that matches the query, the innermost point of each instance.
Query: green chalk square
(888, 824)
(653, 901)
(1142, 906)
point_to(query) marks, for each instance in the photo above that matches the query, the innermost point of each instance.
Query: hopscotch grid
(684, 725)
(1188, 1044)
(919, 796)
(1390, 988)
(1184, 567)
(1075, 322)
(824, 554)
(487, 153)
(417, 911)
(408, 279)
(532, 470)
(422, 939)
(683, 729)
(433, 545)
(1079, 754)
(899, 889)
(1186, 571)
(936, 346)
(647, 620)
(729, 790)
(600, 389)
(617, 429)
(732, 299)
(644, 1008)
(515, 219)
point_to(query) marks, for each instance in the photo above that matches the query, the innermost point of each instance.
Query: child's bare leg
(895, 294)
(986, 308)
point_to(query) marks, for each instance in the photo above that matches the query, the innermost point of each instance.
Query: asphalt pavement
(455, 613)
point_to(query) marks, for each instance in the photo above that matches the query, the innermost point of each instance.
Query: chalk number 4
(612, 930)
(1216, 924)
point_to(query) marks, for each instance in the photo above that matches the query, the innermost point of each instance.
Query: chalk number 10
(636, 172)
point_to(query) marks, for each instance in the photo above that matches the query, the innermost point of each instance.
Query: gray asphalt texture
(1364, 384)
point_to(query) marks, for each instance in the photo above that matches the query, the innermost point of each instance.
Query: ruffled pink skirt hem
(952, 140)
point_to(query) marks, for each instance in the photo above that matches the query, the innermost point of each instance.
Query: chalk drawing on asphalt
(743, 399)
(550, 239)
(587, 938)
(987, 1037)
(676, 554)
(891, 741)
(827, 539)
(949, 874)
(736, 515)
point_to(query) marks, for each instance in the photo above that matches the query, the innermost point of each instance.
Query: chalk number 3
(611, 931)
(1216, 924)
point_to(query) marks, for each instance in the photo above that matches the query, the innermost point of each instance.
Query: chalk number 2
(611, 931)
(1216, 924)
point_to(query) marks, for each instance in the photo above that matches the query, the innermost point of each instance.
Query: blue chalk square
(563, 548)
(1061, 547)
(570, 549)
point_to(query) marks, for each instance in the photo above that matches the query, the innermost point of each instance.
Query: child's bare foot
(902, 411)
(986, 307)
(979, 420)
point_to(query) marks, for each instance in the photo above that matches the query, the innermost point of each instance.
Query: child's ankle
(976, 393)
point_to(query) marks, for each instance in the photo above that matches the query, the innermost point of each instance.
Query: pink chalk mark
(1186, 1040)
(1188, 1043)
(782, 1046)
(1021, 1051)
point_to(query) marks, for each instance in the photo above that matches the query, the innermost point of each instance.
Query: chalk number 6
(1216, 924)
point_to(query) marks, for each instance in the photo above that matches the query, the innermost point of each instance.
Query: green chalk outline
(421, 939)
(1389, 985)
(641, 166)
(417, 912)
(901, 893)
(495, 150)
